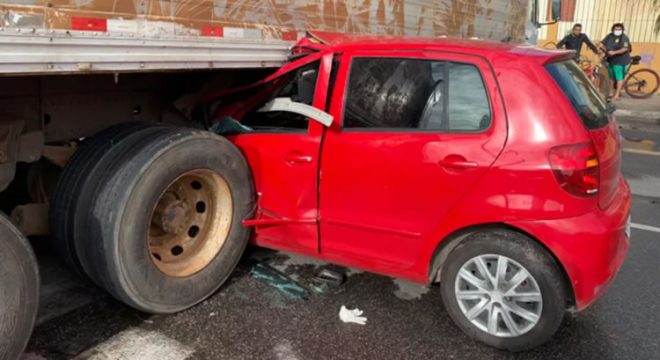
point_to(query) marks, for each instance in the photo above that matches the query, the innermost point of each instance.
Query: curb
(648, 117)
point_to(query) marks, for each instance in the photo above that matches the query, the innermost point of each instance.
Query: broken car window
(299, 85)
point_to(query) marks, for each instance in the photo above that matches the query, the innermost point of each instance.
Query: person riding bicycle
(618, 48)
(574, 41)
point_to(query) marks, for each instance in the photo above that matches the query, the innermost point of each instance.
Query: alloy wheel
(498, 295)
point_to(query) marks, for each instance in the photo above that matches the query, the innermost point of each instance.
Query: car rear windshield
(578, 89)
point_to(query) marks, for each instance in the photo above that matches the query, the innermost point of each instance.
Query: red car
(493, 169)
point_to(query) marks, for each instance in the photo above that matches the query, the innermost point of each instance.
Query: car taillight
(576, 168)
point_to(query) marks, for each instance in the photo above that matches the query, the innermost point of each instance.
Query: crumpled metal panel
(489, 19)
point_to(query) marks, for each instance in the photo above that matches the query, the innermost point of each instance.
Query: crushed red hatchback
(492, 169)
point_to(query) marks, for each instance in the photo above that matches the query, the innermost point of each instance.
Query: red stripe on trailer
(290, 35)
(210, 30)
(89, 24)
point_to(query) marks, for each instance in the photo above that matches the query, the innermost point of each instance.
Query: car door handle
(458, 163)
(298, 159)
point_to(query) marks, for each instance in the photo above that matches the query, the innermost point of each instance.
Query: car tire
(140, 244)
(19, 290)
(75, 186)
(515, 251)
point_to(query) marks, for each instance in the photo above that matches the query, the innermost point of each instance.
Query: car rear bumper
(590, 247)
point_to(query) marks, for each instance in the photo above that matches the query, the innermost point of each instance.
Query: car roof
(343, 42)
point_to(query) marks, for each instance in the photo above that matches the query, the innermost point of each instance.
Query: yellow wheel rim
(190, 223)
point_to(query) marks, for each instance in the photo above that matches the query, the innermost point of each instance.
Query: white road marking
(651, 115)
(645, 227)
(642, 152)
(137, 344)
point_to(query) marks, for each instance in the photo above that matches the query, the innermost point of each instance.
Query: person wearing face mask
(574, 41)
(618, 48)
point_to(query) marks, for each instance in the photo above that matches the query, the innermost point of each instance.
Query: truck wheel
(165, 230)
(504, 289)
(19, 290)
(75, 186)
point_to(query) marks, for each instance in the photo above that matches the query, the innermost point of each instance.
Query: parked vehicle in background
(104, 145)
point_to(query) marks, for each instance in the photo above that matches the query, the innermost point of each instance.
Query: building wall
(597, 17)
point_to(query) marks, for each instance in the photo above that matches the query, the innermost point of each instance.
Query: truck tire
(165, 231)
(509, 278)
(19, 290)
(75, 185)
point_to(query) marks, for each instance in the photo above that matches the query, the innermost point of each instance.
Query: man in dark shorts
(618, 48)
(574, 41)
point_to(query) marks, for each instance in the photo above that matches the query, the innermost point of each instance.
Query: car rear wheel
(19, 290)
(165, 230)
(504, 289)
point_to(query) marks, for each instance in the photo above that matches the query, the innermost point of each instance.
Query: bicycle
(597, 74)
(642, 83)
(550, 45)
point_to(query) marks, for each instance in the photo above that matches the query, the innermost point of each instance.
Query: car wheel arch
(448, 243)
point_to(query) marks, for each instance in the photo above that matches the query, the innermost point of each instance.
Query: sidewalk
(636, 110)
(639, 122)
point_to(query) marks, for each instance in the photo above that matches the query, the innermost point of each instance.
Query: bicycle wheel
(602, 84)
(641, 84)
(585, 63)
(550, 46)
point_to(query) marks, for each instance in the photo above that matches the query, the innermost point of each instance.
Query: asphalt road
(247, 319)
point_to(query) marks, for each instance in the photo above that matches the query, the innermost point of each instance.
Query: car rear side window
(468, 108)
(582, 95)
(390, 93)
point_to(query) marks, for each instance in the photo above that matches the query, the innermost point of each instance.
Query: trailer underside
(44, 118)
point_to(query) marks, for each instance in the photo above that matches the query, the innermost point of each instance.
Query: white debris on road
(137, 344)
(409, 291)
(352, 316)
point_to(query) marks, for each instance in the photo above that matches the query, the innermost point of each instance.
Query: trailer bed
(74, 36)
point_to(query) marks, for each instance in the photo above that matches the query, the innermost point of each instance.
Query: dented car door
(282, 149)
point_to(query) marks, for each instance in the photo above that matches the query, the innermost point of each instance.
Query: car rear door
(413, 132)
